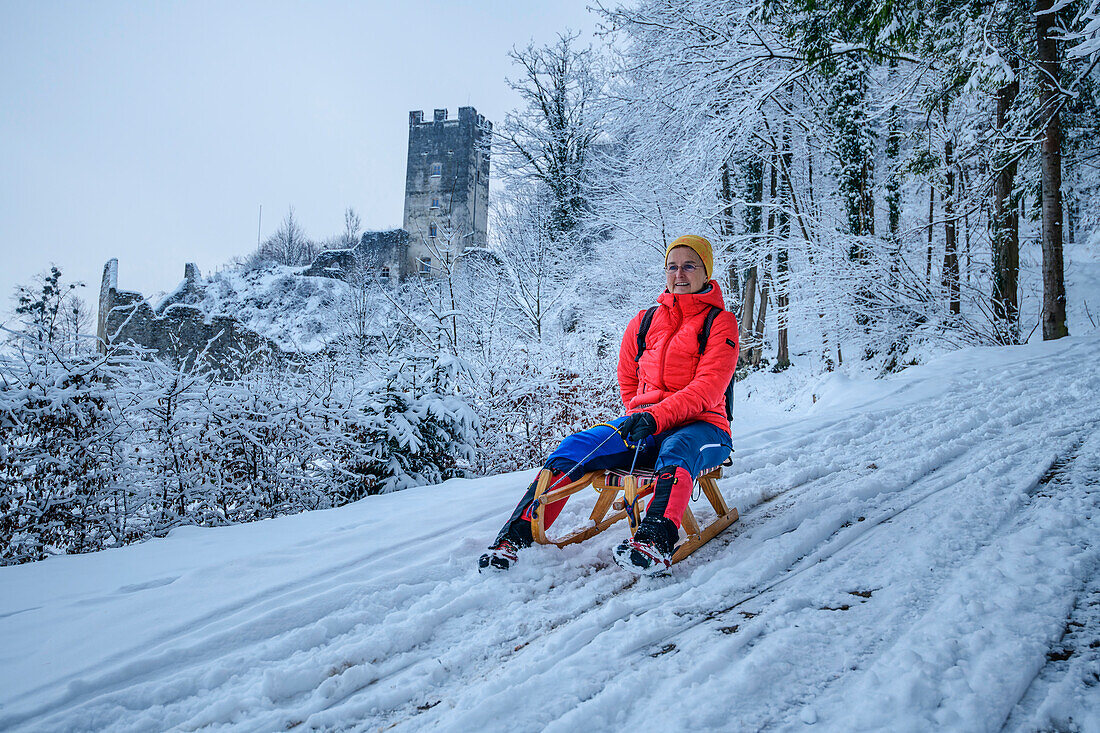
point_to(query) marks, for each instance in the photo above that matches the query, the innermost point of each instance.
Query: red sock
(552, 510)
(678, 497)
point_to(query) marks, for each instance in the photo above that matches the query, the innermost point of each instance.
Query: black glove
(637, 427)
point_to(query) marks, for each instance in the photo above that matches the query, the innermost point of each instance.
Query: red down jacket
(671, 381)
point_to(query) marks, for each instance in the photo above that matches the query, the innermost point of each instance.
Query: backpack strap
(704, 335)
(643, 329)
(704, 332)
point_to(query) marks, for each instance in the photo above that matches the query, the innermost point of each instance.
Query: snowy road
(915, 553)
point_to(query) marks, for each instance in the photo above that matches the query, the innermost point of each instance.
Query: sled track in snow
(859, 532)
(1083, 619)
(847, 536)
(1057, 656)
(168, 653)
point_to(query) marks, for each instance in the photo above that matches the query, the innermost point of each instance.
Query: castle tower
(446, 187)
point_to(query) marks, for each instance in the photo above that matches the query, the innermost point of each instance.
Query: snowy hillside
(915, 553)
(297, 312)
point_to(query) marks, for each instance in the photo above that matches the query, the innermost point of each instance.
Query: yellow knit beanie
(700, 246)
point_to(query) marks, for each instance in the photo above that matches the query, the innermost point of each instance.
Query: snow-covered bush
(61, 458)
(98, 451)
(411, 427)
(528, 407)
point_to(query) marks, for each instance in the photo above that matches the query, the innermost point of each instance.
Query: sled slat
(605, 502)
(643, 492)
(710, 489)
(690, 525)
(632, 502)
(706, 536)
(537, 531)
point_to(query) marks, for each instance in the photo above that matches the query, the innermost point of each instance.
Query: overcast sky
(153, 131)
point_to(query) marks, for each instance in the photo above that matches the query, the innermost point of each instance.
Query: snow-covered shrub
(60, 460)
(102, 450)
(410, 428)
(526, 410)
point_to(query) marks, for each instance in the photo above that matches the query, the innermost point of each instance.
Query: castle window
(425, 265)
(437, 169)
(433, 232)
(385, 274)
(435, 203)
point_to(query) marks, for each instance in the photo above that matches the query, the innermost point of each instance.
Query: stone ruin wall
(178, 333)
(376, 250)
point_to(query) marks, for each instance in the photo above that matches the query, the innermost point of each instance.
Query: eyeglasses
(687, 268)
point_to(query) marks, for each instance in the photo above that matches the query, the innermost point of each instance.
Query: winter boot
(505, 549)
(650, 550)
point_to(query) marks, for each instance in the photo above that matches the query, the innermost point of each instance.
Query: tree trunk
(1071, 218)
(748, 304)
(893, 179)
(964, 195)
(758, 332)
(950, 275)
(812, 206)
(814, 213)
(931, 215)
(727, 228)
(782, 308)
(782, 290)
(1054, 284)
(1006, 225)
(754, 180)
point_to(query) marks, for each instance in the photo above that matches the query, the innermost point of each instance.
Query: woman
(674, 399)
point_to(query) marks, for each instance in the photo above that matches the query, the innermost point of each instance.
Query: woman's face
(684, 271)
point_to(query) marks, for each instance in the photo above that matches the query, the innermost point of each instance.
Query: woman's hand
(637, 427)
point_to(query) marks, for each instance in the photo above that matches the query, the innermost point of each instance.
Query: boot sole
(494, 563)
(624, 562)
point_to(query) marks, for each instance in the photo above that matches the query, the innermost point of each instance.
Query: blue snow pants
(692, 448)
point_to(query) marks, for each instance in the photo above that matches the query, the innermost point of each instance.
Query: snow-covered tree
(550, 138)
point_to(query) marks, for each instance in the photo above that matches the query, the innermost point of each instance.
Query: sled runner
(634, 487)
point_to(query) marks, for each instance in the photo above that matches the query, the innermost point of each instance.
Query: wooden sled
(635, 487)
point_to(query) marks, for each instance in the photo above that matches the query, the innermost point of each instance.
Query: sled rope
(536, 502)
(632, 508)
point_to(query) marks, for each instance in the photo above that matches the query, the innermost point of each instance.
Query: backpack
(704, 336)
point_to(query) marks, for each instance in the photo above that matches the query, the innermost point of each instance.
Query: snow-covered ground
(914, 553)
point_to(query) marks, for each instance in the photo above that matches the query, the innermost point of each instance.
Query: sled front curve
(634, 487)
